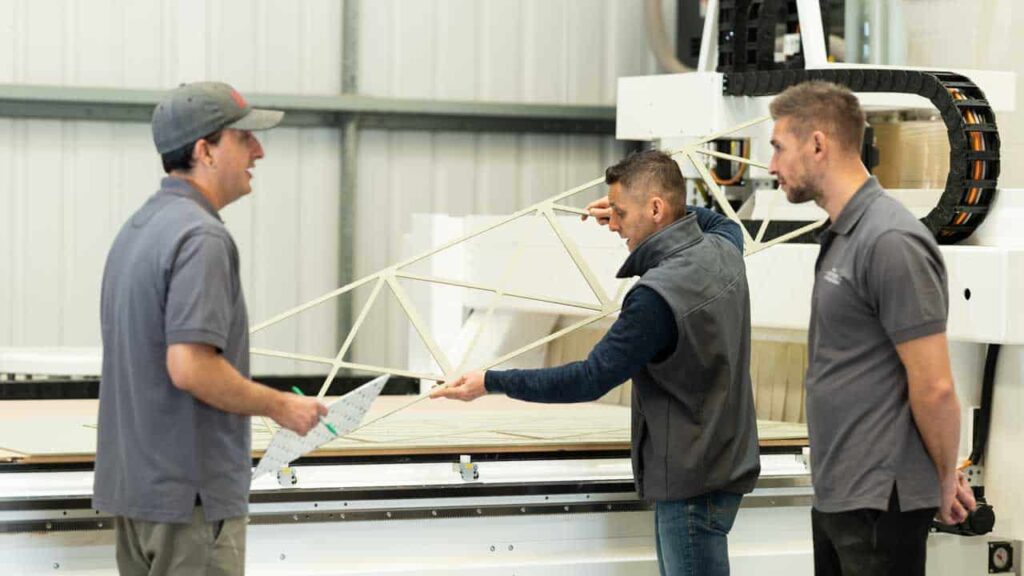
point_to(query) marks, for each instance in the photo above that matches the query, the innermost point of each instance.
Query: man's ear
(201, 154)
(819, 142)
(657, 207)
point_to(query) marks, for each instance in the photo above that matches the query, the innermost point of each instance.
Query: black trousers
(871, 542)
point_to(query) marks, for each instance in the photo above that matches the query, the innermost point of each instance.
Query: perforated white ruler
(344, 415)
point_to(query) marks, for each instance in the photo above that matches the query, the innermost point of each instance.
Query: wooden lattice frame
(607, 306)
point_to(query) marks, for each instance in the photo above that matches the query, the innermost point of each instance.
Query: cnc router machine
(501, 487)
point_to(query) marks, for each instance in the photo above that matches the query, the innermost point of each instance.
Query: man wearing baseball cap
(173, 457)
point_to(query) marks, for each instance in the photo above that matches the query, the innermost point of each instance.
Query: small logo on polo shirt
(833, 277)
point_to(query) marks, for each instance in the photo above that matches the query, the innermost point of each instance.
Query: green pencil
(298, 391)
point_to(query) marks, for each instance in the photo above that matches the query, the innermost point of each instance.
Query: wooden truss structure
(606, 305)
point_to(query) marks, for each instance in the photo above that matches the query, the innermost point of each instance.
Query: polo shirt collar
(673, 238)
(855, 208)
(181, 187)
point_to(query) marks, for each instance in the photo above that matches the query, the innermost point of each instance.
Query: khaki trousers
(198, 548)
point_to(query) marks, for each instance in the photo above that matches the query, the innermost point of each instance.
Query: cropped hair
(824, 106)
(650, 172)
(181, 158)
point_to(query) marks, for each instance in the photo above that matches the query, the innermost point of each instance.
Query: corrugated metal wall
(65, 187)
(568, 52)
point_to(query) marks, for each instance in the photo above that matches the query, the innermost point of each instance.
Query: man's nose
(257, 148)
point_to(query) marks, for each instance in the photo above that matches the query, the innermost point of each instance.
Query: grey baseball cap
(192, 111)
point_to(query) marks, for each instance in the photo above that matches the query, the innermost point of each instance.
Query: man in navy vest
(683, 336)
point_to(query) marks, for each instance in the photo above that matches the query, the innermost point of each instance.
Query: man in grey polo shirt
(882, 412)
(173, 459)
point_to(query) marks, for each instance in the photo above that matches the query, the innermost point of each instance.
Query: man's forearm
(645, 328)
(214, 381)
(572, 382)
(936, 412)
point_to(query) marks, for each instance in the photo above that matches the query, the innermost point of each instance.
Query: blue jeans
(692, 534)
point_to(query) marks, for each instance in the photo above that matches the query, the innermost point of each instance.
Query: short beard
(804, 193)
(807, 190)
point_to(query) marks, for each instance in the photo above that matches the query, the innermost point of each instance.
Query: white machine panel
(671, 106)
(54, 360)
(679, 106)
(984, 287)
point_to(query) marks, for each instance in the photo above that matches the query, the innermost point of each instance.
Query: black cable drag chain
(970, 126)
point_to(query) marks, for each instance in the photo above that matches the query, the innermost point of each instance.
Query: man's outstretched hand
(469, 386)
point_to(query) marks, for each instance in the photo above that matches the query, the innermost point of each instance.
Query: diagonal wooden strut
(417, 322)
(350, 338)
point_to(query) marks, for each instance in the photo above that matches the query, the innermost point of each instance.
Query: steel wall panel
(66, 187)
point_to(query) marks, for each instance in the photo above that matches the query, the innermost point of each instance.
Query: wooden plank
(796, 368)
(776, 371)
(63, 431)
(350, 337)
(762, 401)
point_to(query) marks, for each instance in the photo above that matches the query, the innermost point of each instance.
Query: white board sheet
(344, 415)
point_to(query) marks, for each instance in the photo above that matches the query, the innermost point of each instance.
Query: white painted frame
(389, 277)
(545, 209)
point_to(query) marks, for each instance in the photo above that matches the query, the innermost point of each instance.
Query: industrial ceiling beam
(135, 105)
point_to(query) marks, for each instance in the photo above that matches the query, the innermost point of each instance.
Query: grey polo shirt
(171, 277)
(879, 281)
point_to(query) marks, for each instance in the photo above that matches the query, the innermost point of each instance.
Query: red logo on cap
(238, 99)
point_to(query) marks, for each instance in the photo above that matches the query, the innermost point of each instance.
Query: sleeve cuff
(493, 383)
(915, 332)
(197, 336)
